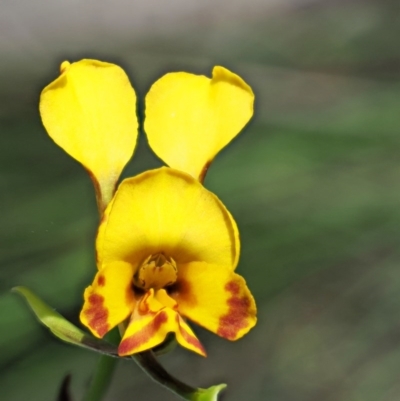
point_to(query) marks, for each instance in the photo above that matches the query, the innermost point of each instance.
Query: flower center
(157, 271)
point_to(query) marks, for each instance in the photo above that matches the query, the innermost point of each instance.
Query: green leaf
(208, 394)
(62, 328)
(149, 364)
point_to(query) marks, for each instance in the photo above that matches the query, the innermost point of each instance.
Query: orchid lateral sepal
(149, 364)
(62, 328)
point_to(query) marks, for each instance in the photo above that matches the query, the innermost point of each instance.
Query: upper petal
(167, 211)
(90, 111)
(190, 118)
(215, 298)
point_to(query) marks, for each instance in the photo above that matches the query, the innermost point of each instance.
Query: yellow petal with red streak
(109, 300)
(215, 298)
(152, 321)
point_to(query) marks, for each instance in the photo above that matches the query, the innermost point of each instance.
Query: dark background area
(313, 183)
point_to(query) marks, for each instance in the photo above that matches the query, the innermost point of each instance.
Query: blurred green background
(313, 182)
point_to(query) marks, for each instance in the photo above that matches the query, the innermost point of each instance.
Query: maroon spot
(101, 281)
(233, 287)
(189, 338)
(182, 293)
(128, 345)
(237, 317)
(97, 314)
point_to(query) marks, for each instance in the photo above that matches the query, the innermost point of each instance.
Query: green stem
(149, 364)
(103, 373)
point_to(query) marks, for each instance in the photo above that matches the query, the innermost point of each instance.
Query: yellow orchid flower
(166, 247)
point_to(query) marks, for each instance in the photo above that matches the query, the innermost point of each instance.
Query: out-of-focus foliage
(313, 183)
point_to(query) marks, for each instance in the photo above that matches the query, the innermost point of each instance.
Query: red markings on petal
(182, 290)
(233, 287)
(237, 317)
(131, 343)
(144, 305)
(189, 338)
(101, 281)
(97, 314)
